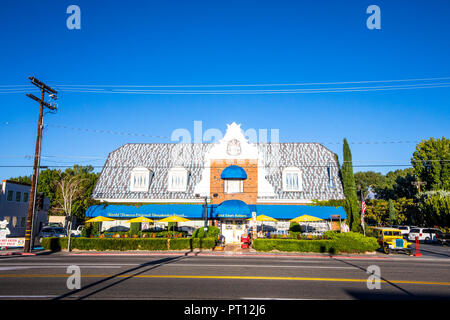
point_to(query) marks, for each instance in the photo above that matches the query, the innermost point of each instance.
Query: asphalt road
(222, 277)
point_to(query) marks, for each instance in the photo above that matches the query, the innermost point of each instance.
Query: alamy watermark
(374, 20)
(74, 280)
(73, 22)
(374, 280)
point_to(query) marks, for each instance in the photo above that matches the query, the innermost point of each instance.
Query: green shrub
(172, 226)
(203, 243)
(135, 227)
(348, 242)
(353, 242)
(212, 232)
(293, 245)
(295, 227)
(179, 244)
(90, 229)
(123, 244)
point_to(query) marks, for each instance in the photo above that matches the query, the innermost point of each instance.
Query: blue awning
(155, 211)
(233, 209)
(233, 172)
(227, 209)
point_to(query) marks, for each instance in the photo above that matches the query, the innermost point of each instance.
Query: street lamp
(205, 208)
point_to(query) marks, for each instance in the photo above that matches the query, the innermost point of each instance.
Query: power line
(254, 85)
(202, 167)
(133, 89)
(252, 91)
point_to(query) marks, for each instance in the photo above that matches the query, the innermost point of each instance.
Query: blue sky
(222, 42)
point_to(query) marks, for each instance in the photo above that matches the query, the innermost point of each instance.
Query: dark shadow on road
(152, 265)
(381, 278)
(373, 295)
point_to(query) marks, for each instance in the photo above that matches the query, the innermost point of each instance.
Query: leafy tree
(348, 180)
(392, 213)
(431, 162)
(368, 179)
(435, 206)
(376, 212)
(48, 184)
(24, 179)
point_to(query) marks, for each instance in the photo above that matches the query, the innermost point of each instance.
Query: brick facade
(250, 184)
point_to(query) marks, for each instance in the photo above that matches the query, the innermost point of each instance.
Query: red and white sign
(12, 242)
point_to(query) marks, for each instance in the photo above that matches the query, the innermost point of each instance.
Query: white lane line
(26, 297)
(68, 264)
(52, 267)
(247, 298)
(119, 265)
(253, 266)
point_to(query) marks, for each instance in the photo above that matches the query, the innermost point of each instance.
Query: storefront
(231, 216)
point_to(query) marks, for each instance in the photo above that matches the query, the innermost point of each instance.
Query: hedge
(348, 242)
(123, 244)
(291, 245)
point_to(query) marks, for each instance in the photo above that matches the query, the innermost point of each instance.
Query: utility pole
(37, 156)
(419, 183)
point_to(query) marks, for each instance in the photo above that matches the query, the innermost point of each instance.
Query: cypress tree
(351, 200)
(392, 213)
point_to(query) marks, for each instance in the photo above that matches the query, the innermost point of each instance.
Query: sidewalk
(232, 252)
(18, 251)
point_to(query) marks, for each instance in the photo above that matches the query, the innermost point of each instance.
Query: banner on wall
(12, 242)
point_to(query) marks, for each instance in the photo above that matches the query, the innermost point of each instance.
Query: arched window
(140, 179)
(178, 179)
(292, 179)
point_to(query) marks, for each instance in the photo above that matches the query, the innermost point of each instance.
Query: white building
(14, 198)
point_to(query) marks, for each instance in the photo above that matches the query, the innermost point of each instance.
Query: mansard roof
(313, 159)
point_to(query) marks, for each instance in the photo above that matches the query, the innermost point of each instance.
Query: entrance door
(232, 230)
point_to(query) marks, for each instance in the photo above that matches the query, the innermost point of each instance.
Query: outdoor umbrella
(306, 218)
(140, 220)
(174, 218)
(99, 219)
(264, 218)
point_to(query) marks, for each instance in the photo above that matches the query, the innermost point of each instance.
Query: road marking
(51, 267)
(253, 266)
(26, 297)
(118, 265)
(222, 277)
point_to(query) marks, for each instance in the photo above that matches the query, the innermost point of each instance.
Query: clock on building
(234, 147)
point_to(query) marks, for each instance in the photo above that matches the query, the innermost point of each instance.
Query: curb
(18, 254)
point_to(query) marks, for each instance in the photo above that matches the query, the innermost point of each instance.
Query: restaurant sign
(12, 242)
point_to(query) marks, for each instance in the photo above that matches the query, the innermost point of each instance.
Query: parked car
(391, 240)
(54, 225)
(47, 232)
(423, 234)
(76, 232)
(443, 238)
(404, 229)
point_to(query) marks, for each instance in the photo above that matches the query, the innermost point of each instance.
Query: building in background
(223, 183)
(14, 198)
